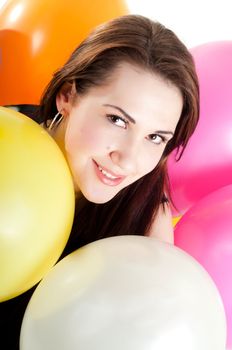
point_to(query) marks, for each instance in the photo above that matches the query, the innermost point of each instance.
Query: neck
(58, 134)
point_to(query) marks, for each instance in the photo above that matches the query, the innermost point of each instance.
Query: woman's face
(116, 133)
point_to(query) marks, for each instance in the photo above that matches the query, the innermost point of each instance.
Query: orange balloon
(37, 37)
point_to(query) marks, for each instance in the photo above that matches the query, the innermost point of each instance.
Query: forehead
(142, 93)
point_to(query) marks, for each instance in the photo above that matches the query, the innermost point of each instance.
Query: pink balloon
(206, 164)
(205, 232)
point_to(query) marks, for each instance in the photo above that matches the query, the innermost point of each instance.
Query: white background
(195, 22)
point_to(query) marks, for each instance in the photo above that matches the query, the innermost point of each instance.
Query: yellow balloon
(37, 203)
(175, 220)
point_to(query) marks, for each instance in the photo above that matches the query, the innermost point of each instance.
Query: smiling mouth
(107, 177)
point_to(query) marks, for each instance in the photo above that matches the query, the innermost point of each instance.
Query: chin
(98, 198)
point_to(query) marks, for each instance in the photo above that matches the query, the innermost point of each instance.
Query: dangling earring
(56, 120)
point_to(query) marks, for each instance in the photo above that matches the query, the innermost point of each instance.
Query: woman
(126, 98)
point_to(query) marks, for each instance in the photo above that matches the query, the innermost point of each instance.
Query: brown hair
(150, 45)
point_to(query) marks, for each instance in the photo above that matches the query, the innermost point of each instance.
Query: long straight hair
(151, 46)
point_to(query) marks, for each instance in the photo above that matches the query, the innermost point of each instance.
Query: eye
(157, 139)
(118, 121)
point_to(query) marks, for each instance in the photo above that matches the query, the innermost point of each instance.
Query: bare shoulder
(162, 227)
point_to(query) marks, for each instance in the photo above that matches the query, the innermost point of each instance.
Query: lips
(107, 177)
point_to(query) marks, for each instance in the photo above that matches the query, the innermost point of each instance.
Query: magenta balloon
(206, 164)
(205, 232)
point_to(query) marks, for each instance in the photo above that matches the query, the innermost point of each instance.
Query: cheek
(87, 137)
(148, 161)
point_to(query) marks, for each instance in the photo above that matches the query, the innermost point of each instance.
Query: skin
(122, 126)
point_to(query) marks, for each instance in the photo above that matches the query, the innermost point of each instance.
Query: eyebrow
(164, 132)
(122, 111)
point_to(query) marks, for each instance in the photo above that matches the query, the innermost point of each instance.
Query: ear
(65, 98)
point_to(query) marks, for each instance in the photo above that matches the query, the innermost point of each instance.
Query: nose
(126, 157)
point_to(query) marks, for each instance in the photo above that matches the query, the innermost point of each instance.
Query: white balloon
(125, 293)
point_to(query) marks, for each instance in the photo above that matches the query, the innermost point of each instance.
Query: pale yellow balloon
(37, 203)
(125, 292)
